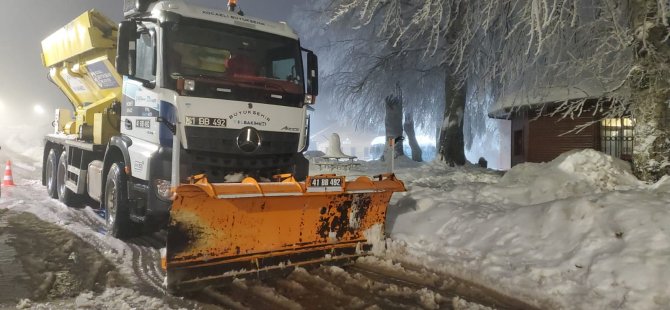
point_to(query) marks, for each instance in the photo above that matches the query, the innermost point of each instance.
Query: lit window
(616, 136)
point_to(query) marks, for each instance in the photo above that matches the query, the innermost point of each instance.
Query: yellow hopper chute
(224, 231)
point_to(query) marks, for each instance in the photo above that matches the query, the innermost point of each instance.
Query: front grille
(222, 140)
(216, 165)
(214, 152)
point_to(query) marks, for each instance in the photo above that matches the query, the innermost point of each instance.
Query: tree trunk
(393, 123)
(649, 94)
(452, 147)
(411, 136)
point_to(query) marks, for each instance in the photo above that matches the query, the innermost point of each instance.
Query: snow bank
(579, 232)
(662, 186)
(373, 167)
(575, 173)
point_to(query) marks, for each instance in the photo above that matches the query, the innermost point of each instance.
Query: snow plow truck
(193, 121)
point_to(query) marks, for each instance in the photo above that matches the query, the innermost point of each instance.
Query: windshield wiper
(275, 85)
(177, 75)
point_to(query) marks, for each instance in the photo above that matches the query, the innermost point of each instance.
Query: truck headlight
(309, 99)
(189, 85)
(163, 189)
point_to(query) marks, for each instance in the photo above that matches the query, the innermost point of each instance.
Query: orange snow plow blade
(219, 232)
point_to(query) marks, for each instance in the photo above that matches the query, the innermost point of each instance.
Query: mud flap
(219, 232)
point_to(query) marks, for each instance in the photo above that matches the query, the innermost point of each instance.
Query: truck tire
(117, 212)
(65, 195)
(51, 171)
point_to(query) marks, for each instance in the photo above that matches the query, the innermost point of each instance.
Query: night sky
(24, 23)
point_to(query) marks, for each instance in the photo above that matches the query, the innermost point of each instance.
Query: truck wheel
(65, 195)
(51, 170)
(117, 213)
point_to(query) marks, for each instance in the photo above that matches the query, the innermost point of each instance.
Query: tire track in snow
(384, 290)
(324, 288)
(250, 294)
(147, 260)
(88, 225)
(144, 274)
(310, 289)
(390, 287)
(453, 289)
(371, 283)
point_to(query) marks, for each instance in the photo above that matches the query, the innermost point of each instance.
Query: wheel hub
(111, 206)
(61, 181)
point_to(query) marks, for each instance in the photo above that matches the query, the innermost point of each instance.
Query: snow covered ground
(579, 232)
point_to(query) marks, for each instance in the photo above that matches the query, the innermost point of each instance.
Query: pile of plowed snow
(369, 168)
(571, 174)
(579, 232)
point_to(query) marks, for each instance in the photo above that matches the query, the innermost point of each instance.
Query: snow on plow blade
(223, 231)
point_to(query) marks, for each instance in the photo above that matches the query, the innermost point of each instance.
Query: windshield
(250, 65)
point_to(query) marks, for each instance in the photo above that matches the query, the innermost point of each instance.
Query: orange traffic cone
(8, 180)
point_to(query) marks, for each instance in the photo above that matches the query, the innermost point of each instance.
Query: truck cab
(232, 88)
(228, 91)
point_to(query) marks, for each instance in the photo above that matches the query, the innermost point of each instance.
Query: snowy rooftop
(572, 86)
(542, 96)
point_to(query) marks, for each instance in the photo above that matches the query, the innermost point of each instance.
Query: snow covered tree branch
(608, 58)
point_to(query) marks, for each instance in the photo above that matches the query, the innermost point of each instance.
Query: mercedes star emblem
(249, 140)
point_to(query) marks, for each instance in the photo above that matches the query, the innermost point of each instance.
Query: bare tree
(650, 89)
(417, 154)
(421, 29)
(451, 148)
(393, 124)
(361, 66)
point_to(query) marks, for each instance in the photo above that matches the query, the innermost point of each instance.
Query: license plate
(206, 121)
(325, 184)
(143, 123)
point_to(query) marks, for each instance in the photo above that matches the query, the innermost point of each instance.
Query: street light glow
(38, 109)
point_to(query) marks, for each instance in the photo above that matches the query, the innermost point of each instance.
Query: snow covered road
(370, 283)
(579, 232)
(100, 272)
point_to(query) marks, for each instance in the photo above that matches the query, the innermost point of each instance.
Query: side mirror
(126, 47)
(312, 74)
(154, 65)
(170, 17)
